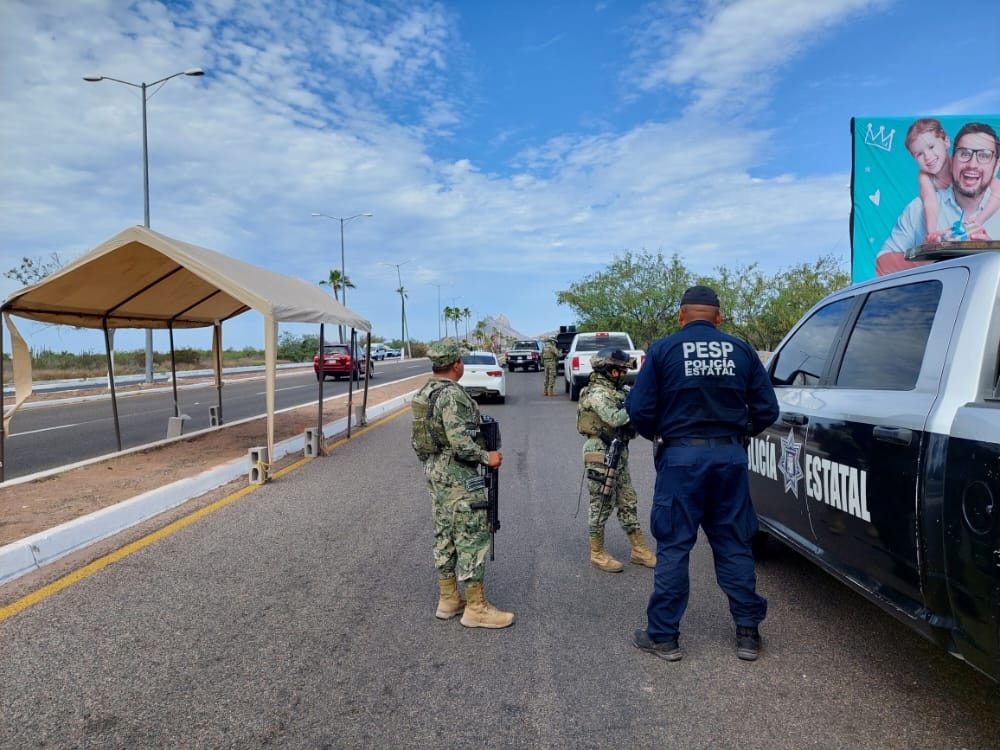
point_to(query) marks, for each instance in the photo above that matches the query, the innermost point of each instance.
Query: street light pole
(343, 270)
(143, 87)
(439, 309)
(403, 338)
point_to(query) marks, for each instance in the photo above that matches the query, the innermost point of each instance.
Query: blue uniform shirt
(701, 382)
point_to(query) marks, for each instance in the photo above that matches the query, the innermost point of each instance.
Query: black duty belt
(689, 441)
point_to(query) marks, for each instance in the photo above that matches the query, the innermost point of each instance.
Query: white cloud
(727, 53)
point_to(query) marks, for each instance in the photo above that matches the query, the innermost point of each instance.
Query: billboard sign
(918, 180)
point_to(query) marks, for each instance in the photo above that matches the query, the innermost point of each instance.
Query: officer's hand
(496, 458)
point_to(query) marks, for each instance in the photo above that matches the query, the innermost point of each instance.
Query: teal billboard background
(884, 180)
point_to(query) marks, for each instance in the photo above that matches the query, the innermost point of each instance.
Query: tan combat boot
(479, 613)
(451, 602)
(600, 557)
(640, 552)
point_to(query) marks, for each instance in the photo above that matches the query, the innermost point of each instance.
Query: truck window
(803, 358)
(596, 343)
(886, 347)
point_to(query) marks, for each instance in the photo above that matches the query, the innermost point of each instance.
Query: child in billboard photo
(928, 144)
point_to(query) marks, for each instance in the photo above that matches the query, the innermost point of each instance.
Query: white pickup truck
(576, 366)
(883, 465)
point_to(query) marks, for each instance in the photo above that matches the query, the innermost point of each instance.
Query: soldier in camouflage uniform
(600, 412)
(445, 428)
(550, 357)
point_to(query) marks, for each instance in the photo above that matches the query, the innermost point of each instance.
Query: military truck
(563, 339)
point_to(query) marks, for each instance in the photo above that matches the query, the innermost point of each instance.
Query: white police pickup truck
(884, 466)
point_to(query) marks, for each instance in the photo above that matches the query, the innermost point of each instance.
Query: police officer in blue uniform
(699, 392)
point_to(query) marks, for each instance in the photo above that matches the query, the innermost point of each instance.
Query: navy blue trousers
(706, 486)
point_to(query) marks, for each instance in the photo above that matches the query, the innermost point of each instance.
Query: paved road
(48, 436)
(301, 616)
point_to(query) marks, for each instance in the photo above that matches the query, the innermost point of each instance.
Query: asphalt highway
(62, 432)
(301, 615)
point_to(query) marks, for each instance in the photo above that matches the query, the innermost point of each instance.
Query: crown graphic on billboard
(879, 139)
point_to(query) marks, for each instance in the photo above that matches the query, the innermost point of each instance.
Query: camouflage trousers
(461, 535)
(623, 499)
(550, 377)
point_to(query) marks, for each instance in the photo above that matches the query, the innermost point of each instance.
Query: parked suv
(378, 351)
(339, 362)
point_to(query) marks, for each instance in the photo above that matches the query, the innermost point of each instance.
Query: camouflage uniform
(444, 432)
(600, 413)
(550, 357)
(606, 402)
(461, 536)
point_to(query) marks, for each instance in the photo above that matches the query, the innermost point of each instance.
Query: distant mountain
(501, 328)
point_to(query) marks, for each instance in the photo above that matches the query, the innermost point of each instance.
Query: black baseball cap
(700, 295)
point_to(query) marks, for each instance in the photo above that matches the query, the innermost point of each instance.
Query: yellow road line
(102, 562)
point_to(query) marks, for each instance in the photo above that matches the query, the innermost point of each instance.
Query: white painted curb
(31, 553)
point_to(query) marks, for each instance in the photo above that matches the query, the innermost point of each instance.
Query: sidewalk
(46, 516)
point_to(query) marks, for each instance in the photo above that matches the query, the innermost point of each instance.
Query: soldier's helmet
(444, 352)
(553, 342)
(607, 359)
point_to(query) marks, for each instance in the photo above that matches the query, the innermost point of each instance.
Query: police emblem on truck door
(791, 462)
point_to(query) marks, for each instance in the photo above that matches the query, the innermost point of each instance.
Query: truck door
(776, 456)
(863, 457)
(971, 516)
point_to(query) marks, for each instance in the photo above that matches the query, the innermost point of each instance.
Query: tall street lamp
(403, 338)
(144, 87)
(439, 308)
(343, 271)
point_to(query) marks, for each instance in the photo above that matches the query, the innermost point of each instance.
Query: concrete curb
(31, 553)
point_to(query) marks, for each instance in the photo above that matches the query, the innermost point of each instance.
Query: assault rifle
(489, 480)
(612, 460)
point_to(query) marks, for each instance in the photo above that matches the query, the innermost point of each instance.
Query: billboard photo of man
(955, 181)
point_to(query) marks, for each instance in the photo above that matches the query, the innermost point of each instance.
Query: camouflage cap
(443, 353)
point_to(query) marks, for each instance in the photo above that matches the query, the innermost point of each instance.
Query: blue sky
(506, 149)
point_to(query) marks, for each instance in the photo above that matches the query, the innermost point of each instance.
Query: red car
(338, 362)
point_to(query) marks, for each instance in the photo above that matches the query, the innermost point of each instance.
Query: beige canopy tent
(143, 279)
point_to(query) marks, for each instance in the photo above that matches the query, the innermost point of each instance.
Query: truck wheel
(566, 384)
(574, 392)
(536, 368)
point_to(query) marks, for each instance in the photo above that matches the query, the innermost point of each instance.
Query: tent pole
(364, 399)
(350, 379)
(3, 411)
(217, 347)
(322, 379)
(173, 367)
(111, 382)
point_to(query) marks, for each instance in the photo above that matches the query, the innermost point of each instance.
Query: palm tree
(453, 314)
(337, 281)
(466, 313)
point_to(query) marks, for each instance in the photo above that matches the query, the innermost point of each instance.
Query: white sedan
(483, 376)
